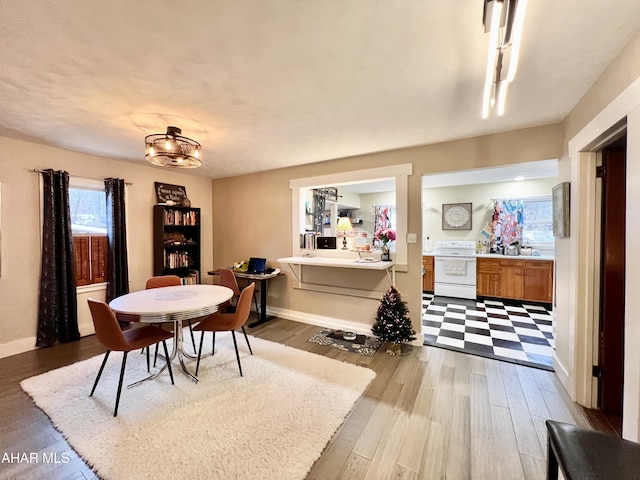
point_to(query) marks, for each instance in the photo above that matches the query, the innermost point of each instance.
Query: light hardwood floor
(431, 414)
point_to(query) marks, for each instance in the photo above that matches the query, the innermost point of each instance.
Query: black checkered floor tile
(518, 334)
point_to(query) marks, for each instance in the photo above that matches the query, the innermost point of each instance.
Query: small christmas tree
(392, 321)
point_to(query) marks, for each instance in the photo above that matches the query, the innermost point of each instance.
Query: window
(87, 203)
(528, 221)
(537, 221)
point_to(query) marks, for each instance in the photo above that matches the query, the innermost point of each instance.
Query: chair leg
(235, 345)
(247, 339)
(148, 364)
(166, 355)
(104, 362)
(213, 344)
(255, 301)
(199, 353)
(155, 356)
(124, 363)
(193, 339)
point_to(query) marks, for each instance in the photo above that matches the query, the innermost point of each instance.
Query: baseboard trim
(329, 322)
(17, 346)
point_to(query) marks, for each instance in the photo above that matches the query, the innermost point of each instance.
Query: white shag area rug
(273, 423)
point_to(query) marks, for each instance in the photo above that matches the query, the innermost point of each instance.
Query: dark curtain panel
(57, 303)
(117, 263)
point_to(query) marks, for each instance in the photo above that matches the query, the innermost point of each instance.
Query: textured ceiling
(269, 84)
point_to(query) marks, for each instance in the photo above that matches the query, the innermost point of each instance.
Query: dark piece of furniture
(225, 322)
(263, 278)
(109, 334)
(584, 454)
(176, 242)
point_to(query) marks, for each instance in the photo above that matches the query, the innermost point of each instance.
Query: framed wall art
(560, 200)
(456, 216)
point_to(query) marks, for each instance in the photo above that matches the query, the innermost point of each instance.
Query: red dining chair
(228, 279)
(168, 281)
(114, 339)
(225, 322)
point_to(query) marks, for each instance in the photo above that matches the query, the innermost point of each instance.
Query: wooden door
(612, 283)
(488, 277)
(428, 279)
(511, 279)
(538, 281)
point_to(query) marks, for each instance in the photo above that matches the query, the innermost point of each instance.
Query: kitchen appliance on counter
(455, 269)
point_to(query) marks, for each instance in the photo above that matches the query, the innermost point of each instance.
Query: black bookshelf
(176, 242)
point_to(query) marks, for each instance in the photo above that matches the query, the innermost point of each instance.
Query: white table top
(337, 262)
(170, 304)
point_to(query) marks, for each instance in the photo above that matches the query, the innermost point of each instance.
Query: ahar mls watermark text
(36, 457)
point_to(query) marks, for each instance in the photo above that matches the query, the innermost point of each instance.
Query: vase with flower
(385, 235)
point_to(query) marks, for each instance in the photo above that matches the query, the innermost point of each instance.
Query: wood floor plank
(458, 463)
(435, 453)
(506, 447)
(384, 460)
(481, 426)
(532, 394)
(432, 414)
(483, 459)
(526, 434)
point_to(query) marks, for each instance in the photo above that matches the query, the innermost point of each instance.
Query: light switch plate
(412, 238)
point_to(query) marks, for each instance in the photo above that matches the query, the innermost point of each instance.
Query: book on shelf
(192, 278)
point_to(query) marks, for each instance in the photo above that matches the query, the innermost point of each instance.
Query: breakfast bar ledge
(296, 265)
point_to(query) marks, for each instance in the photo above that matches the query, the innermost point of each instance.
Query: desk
(171, 304)
(263, 278)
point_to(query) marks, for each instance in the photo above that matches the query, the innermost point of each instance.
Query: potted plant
(385, 235)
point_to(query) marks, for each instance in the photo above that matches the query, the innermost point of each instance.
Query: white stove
(455, 269)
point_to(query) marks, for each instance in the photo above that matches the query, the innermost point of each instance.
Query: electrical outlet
(412, 238)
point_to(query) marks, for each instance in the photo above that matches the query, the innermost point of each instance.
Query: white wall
(480, 196)
(21, 227)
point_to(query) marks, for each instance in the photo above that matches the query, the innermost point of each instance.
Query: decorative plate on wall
(456, 216)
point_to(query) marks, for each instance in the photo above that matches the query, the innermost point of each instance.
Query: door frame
(574, 369)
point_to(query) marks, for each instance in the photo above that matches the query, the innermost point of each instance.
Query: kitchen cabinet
(487, 278)
(516, 279)
(512, 279)
(538, 281)
(428, 277)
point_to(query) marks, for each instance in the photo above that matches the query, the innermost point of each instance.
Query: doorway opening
(609, 367)
(506, 325)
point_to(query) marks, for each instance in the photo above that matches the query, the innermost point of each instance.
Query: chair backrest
(163, 281)
(106, 326)
(228, 279)
(243, 308)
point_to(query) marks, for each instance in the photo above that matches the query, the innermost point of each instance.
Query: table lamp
(344, 226)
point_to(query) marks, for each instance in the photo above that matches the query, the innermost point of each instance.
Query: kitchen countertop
(495, 255)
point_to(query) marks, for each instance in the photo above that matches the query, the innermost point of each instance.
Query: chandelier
(172, 149)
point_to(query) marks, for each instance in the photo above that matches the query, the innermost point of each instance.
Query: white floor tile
(454, 327)
(529, 332)
(475, 338)
(537, 349)
(477, 324)
(452, 342)
(499, 321)
(504, 335)
(514, 354)
(460, 316)
(430, 330)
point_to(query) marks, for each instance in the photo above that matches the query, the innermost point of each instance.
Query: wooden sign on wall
(174, 193)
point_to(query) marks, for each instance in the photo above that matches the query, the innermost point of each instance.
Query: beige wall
(20, 228)
(253, 214)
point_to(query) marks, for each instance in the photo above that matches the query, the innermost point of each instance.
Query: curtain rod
(37, 170)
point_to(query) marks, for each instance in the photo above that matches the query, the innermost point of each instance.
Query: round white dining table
(171, 304)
